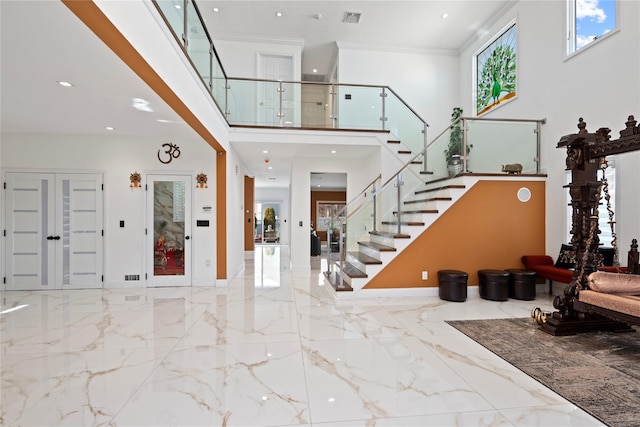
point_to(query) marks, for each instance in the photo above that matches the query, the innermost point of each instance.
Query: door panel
(169, 230)
(30, 256)
(80, 225)
(54, 231)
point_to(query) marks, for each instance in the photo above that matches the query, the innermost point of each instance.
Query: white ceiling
(42, 42)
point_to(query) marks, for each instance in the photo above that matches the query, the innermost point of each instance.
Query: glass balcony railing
(268, 103)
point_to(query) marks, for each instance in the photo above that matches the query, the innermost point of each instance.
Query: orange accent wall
(324, 196)
(249, 214)
(488, 228)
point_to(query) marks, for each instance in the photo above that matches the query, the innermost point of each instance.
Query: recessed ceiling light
(270, 167)
(109, 128)
(318, 185)
(65, 84)
(445, 15)
(315, 70)
(216, 10)
(177, 6)
(278, 14)
(333, 151)
(265, 151)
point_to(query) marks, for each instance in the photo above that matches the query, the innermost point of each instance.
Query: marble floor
(271, 349)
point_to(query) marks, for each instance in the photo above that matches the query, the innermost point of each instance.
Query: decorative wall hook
(201, 180)
(135, 179)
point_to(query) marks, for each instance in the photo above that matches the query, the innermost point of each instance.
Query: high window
(589, 21)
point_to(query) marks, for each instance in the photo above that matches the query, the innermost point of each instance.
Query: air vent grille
(352, 17)
(314, 77)
(128, 277)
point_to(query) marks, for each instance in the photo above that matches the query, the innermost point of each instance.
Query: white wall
(239, 56)
(301, 198)
(117, 157)
(427, 81)
(599, 83)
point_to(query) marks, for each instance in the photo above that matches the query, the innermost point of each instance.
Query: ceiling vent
(352, 17)
(314, 77)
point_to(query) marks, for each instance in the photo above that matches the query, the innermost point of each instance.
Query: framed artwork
(495, 70)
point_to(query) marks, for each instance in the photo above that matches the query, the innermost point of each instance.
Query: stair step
(426, 172)
(446, 187)
(418, 211)
(365, 259)
(377, 246)
(351, 271)
(393, 141)
(333, 278)
(404, 151)
(416, 162)
(390, 234)
(432, 199)
(409, 223)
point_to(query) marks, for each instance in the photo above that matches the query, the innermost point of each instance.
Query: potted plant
(453, 153)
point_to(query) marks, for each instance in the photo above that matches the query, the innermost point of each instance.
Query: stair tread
(418, 211)
(409, 223)
(426, 172)
(390, 234)
(353, 272)
(446, 187)
(431, 199)
(377, 246)
(393, 141)
(404, 151)
(365, 259)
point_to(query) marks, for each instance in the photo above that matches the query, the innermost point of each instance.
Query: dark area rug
(597, 371)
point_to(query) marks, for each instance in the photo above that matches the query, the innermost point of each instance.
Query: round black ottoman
(452, 285)
(494, 284)
(522, 284)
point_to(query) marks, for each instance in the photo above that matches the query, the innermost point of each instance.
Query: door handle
(187, 237)
(56, 238)
(50, 237)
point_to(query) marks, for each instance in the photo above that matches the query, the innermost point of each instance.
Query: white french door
(169, 230)
(54, 226)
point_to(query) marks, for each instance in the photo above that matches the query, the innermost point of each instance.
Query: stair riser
(357, 264)
(383, 240)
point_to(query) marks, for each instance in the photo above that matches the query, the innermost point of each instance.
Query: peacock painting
(496, 68)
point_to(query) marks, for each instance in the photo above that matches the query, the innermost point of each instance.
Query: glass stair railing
(397, 209)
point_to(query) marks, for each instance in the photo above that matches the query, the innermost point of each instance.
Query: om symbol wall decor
(171, 152)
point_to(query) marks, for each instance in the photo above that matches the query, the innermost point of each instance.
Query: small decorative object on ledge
(512, 169)
(135, 179)
(201, 180)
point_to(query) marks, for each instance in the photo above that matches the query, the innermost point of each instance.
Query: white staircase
(378, 248)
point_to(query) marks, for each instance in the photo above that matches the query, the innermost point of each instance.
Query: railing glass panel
(404, 123)
(198, 46)
(436, 157)
(174, 13)
(495, 143)
(359, 107)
